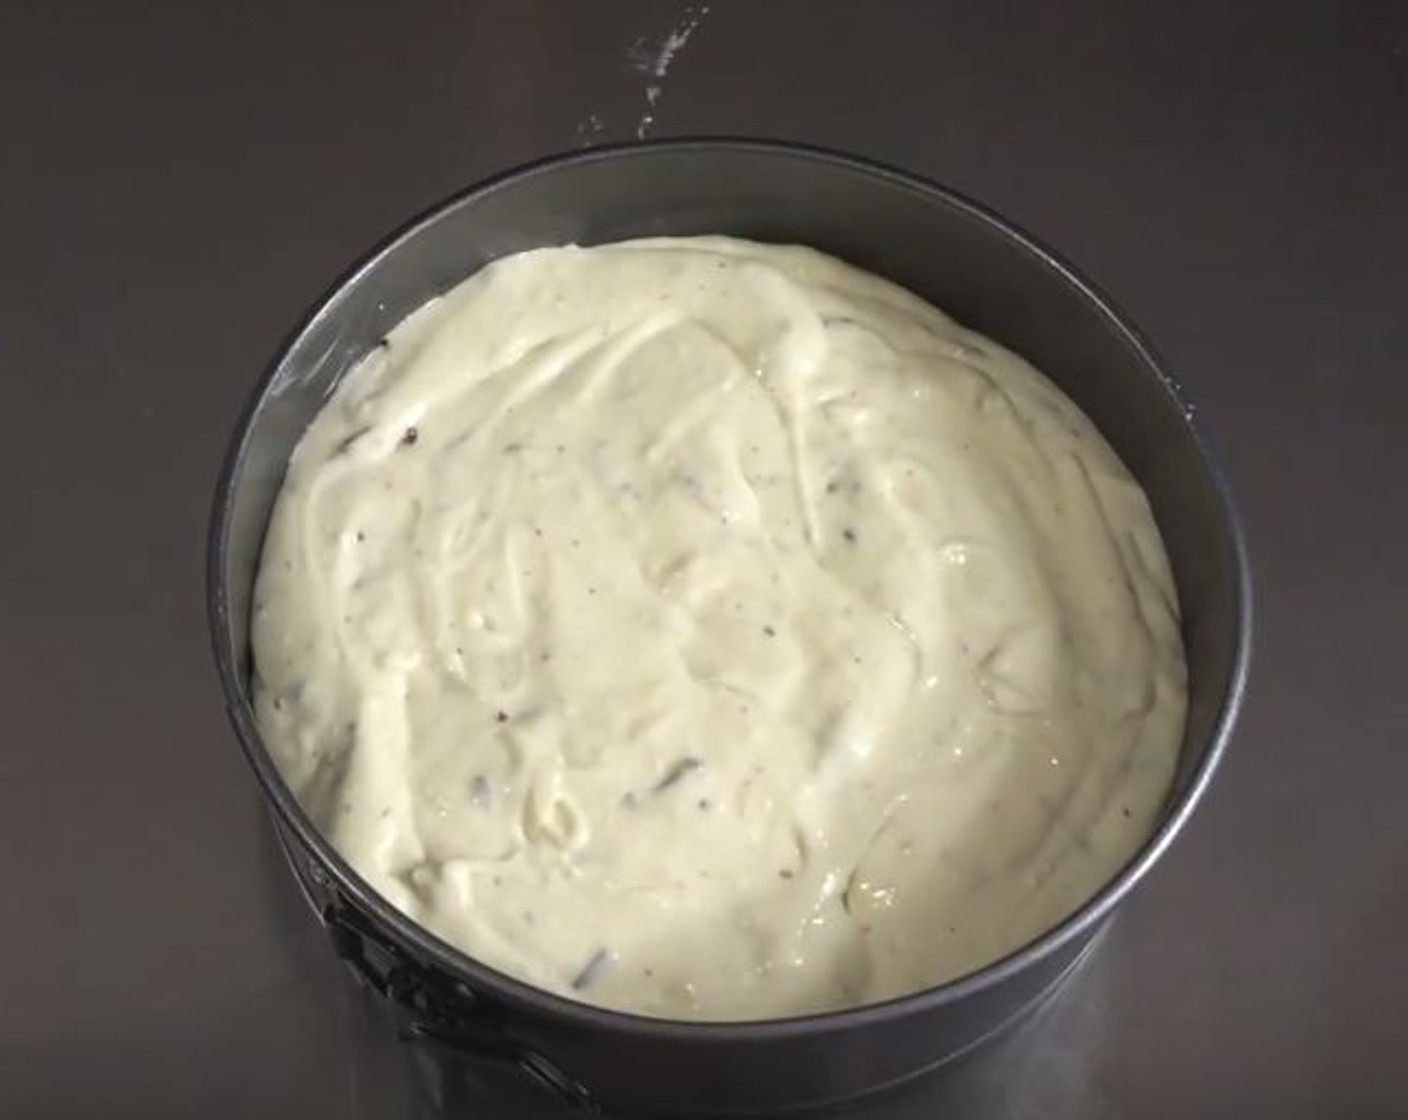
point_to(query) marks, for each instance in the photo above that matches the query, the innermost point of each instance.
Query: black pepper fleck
(681, 768)
(502, 717)
(411, 435)
(592, 970)
(346, 444)
(769, 631)
(850, 535)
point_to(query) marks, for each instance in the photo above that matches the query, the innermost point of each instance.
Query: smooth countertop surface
(183, 180)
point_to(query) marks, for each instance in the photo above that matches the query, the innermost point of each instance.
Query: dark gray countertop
(181, 180)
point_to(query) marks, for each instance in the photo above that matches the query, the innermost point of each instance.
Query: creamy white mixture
(715, 631)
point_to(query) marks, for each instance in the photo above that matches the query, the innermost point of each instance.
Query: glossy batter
(714, 631)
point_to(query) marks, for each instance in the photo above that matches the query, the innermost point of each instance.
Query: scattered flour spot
(652, 59)
(641, 57)
(590, 129)
(655, 60)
